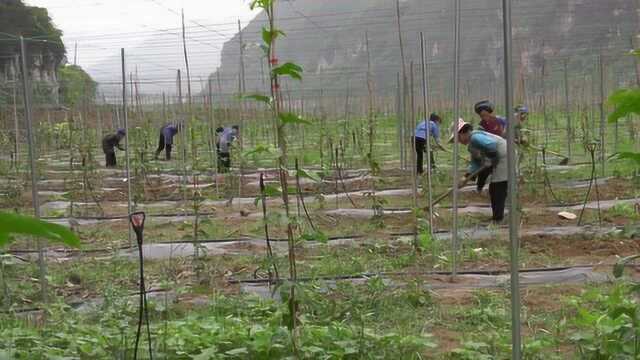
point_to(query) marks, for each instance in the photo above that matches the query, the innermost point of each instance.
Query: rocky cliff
(327, 38)
(45, 53)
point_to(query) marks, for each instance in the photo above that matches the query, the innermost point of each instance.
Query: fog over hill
(327, 38)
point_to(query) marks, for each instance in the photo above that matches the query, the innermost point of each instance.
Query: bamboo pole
(242, 89)
(370, 93)
(126, 128)
(456, 145)
(28, 115)
(414, 170)
(513, 187)
(602, 113)
(567, 106)
(425, 104)
(16, 148)
(403, 92)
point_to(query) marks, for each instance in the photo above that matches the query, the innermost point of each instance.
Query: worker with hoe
(224, 143)
(488, 158)
(431, 128)
(109, 144)
(165, 143)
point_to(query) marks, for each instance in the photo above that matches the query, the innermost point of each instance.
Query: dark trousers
(421, 147)
(110, 158)
(224, 162)
(498, 194)
(163, 146)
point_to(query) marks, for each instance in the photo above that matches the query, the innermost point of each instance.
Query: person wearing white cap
(487, 151)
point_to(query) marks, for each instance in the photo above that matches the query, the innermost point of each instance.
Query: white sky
(102, 27)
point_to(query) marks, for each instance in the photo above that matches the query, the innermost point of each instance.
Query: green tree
(17, 19)
(75, 84)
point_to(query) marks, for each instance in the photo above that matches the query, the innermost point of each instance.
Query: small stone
(567, 215)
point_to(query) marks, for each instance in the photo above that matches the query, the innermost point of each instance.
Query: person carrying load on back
(489, 122)
(433, 127)
(488, 158)
(165, 142)
(225, 140)
(109, 144)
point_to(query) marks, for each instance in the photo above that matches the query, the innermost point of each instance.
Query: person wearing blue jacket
(488, 151)
(433, 129)
(165, 142)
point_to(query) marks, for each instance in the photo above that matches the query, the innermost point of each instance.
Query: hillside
(328, 39)
(44, 56)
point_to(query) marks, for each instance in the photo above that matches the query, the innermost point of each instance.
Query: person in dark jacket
(165, 142)
(109, 144)
(491, 123)
(225, 140)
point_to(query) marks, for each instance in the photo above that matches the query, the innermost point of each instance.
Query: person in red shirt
(489, 122)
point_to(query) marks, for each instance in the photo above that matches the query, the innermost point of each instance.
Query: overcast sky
(148, 30)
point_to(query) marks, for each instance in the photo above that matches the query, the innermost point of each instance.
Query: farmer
(109, 144)
(521, 116)
(433, 123)
(489, 122)
(219, 131)
(225, 140)
(167, 133)
(487, 151)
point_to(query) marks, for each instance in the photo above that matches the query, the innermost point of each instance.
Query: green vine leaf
(291, 118)
(262, 4)
(309, 175)
(15, 224)
(631, 156)
(625, 102)
(261, 149)
(289, 69)
(269, 36)
(618, 268)
(261, 98)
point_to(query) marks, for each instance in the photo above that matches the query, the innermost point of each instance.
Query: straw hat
(461, 125)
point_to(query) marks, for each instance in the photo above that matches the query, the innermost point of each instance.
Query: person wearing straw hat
(421, 140)
(487, 151)
(109, 144)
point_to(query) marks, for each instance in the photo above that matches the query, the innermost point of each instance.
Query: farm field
(321, 240)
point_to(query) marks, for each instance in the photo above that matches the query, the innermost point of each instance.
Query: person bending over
(109, 144)
(489, 152)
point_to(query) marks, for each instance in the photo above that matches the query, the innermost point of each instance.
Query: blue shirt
(481, 144)
(169, 131)
(502, 121)
(225, 139)
(434, 130)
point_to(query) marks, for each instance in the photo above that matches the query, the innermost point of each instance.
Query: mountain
(44, 55)
(327, 38)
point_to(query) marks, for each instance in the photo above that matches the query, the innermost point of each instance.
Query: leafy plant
(608, 324)
(14, 224)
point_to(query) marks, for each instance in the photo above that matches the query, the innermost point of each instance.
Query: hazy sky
(148, 30)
